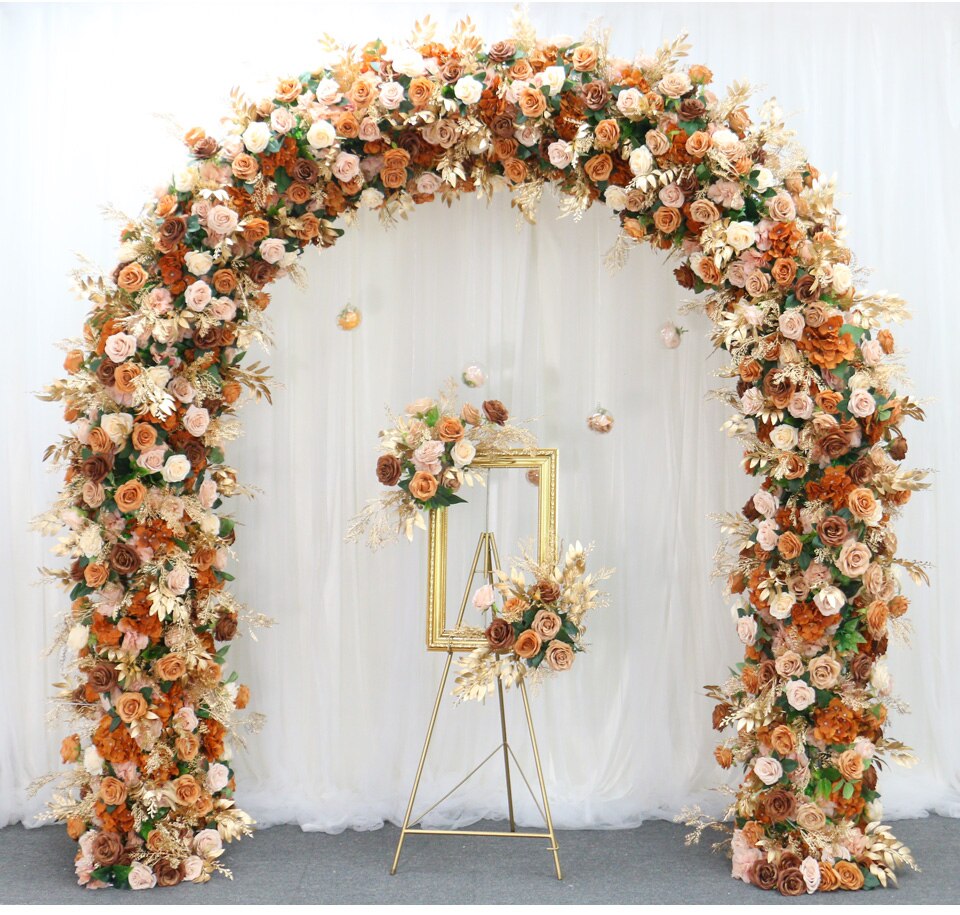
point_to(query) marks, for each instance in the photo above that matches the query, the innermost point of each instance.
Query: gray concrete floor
(649, 864)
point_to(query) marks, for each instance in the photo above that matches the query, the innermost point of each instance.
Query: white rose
(724, 139)
(810, 869)
(784, 437)
(468, 90)
(198, 295)
(792, 323)
(198, 262)
(861, 403)
(842, 279)
(371, 198)
(765, 179)
(210, 524)
(553, 77)
(196, 420)
(641, 161)
(409, 62)
(185, 181)
(391, 95)
(321, 134)
(629, 102)
(560, 153)
(880, 678)
(120, 346)
(217, 777)
(118, 426)
(782, 605)
(768, 769)
(77, 637)
(766, 503)
(741, 235)
(829, 601)
(463, 453)
(747, 630)
(800, 695)
(176, 468)
(615, 197)
(256, 136)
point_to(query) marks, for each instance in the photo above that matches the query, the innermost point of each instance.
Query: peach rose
(449, 429)
(811, 817)
(606, 134)
(789, 664)
(99, 441)
(124, 377)
(559, 655)
(789, 545)
(423, 486)
(849, 875)
(70, 749)
(697, 144)
(528, 644)
(863, 506)
(667, 220)
(96, 574)
(113, 792)
(187, 746)
(132, 277)
(584, 59)
(850, 764)
(546, 624)
(130, 495)
(532, 102)
(131, 706)
(144, 436)
(186, 790)
(824, 672)
(170, 667)
(782, 740)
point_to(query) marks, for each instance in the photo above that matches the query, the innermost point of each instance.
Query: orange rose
(73, 361)
(532, 102)
(697, 144)
(420, 91)
(231, 391)
(144, 436)
(166, 205)
(187, 746)
(449, 429)
(129, 497)
(782, 740)
(245, 167)
(709, 271)
(75, 828)
(99, 441)
(361, 93)
(393, 177)
(256, 229)
(828, 878)
(124, 376)
(850, 765)
(96, 574)
(877, 615)
(423, 486)
(224, 281)
(131, 706)
(598, 168)
(635, 229)
(789, 545)
(528, 644)
(170, 667)
(667, 220)
(113, 792)
(396, 158)
(288, 90)
(606, 135)
(347, 125)
(186, 790)
(132, 277)
(849, 876)
(70, 749)
(514, 170)
(243, 696)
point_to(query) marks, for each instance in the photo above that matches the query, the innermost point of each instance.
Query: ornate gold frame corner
(439, 636)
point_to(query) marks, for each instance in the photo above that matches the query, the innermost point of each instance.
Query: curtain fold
(343, 677)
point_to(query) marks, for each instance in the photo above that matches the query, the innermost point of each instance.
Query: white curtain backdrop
(344, 677)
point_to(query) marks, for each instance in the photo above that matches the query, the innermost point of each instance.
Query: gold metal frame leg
(543, 787)
(506, 757)
(423, 759)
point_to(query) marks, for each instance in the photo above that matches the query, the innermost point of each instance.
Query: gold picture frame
(439, 636)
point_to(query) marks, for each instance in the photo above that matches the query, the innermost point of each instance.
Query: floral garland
(428, 455)
(538, 626)
(153, 386)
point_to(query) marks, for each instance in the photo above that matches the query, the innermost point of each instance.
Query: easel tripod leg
(543, 787)
(506, 757)
(423, 759)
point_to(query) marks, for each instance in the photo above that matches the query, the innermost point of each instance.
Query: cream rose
(118, 427)
(741, 235)
(256, 137)
(553, 78)
(198, 262)
(321, 134)
(409, 62)
(120, 347)
(630, 102)
(784, 437)
(861, 403)
(781, 605)
(196, 421)
(463, 453)
(468, 90)
(791, 323)
(641, 161)
(800, 695)
(176, 468)
(768, 769)
(198, 295)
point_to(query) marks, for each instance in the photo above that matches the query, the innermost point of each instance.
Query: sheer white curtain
(343, 677)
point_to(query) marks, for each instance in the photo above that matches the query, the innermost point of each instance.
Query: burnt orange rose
(514, 170)
(131, 706)
(112, 791)
(186, 790)
(449, 429)
(667, 220)
(96, 574)
(528, 644)
(144, 436)
(243, 696)
(75, 828)
(849, 876)
(224, 281)
(132, 277)
(532, 102)
(256, 229)
(423, 486)
(129, 497)
(70, 749)
(598, 168)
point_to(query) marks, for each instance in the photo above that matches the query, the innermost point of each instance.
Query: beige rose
(863, 506)
(658, 143)
(559, 655)
(854, 559)
(471, 415)
(704, 211)
(824, 672)
(811, 818)
(781, 208)
(789, 664)
(546, 624)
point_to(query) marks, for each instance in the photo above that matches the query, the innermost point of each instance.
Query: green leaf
(847, 790)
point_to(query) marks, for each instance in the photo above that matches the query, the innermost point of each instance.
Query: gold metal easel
(487, 549)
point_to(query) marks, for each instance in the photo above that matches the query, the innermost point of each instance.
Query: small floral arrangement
(536, 627)
(427, 457)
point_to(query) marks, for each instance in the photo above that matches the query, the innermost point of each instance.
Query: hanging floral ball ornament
(349, 318)
(670, 334)
(474, 375)
(600, 421)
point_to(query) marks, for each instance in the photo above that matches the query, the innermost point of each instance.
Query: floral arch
(152, 393)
